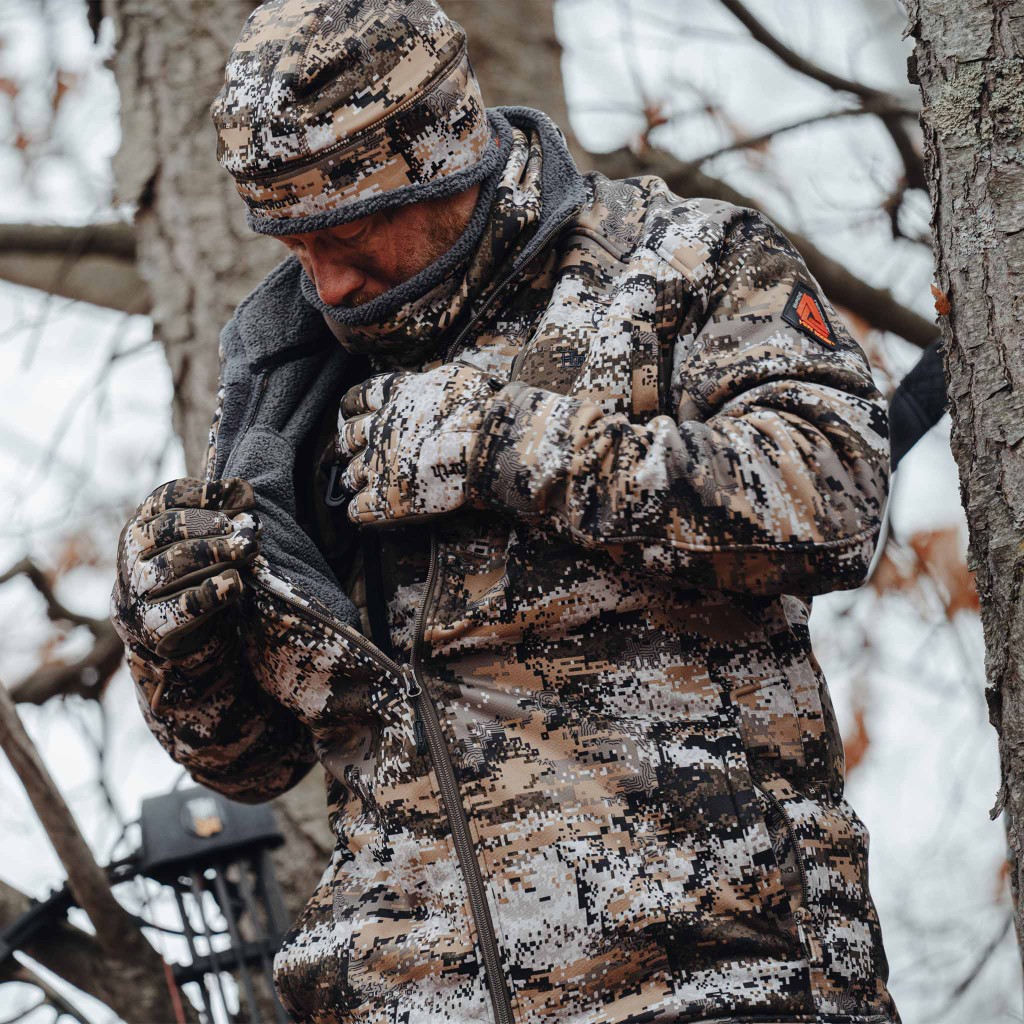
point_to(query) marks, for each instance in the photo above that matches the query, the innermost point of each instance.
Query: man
(581, 762)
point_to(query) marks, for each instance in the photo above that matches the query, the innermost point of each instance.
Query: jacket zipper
(372, 651)
(441, 757)
(427, 720)
(429, 724)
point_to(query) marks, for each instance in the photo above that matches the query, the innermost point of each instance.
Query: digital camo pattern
(329, 102)
(618, 653)
(177, 562)
(407, 439)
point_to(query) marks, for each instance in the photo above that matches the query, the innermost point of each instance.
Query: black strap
(376, 609)
(918, 403)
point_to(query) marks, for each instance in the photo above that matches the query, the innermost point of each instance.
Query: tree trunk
(192, 245)
(968, 63)
(517, 57)
(199, 260)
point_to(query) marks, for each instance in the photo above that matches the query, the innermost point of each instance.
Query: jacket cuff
(166, 686)
(525, 449)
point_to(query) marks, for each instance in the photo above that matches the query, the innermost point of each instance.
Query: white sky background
(74, 456)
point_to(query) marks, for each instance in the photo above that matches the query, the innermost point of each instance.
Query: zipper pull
(412, 688)
(412, 691)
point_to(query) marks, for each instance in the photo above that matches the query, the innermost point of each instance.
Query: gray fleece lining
(261, 428)
(413, 193)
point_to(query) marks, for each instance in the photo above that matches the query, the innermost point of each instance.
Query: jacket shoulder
(627, 215)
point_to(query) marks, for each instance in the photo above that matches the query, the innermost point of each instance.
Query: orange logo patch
(804, 311)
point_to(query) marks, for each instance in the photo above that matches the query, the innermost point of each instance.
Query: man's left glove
(408, 439)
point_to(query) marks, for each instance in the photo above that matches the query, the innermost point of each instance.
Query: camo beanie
(332, 110)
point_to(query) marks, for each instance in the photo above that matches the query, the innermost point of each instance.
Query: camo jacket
(598, 777)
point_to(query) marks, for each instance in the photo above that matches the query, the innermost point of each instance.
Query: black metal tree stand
(214, 854)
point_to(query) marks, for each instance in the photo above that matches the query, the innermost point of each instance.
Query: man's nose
(335, 279)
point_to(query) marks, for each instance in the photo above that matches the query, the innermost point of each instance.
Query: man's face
(353, 263)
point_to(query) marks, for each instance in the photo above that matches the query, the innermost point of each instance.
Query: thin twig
(760, 140)
(887, 107)
(55, 610)
(806, 67)
(979, 965)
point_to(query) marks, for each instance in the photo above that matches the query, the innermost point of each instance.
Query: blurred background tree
(800, 109)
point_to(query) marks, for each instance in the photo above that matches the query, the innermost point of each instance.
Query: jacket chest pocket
(607, 334)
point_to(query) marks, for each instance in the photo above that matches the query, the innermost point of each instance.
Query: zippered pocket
(772, 790)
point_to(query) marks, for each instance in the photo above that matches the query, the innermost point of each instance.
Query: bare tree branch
(94, 264)
(760, 140)
(799, 63)
(117, 240)
(888, 108)
(133, 991)
(64, 949)
(86, 676)
(875, 305)
(55, 611)
(979, 965)
(115, 930)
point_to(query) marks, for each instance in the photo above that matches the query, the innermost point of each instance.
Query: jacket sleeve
(210, 714)
(769, 477)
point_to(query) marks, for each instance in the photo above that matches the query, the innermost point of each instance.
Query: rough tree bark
(967, 60)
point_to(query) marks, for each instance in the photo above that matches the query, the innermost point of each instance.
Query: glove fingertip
(230, 492)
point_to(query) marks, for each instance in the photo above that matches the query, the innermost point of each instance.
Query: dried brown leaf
(941, 301)
(939, 552)
(857, 745)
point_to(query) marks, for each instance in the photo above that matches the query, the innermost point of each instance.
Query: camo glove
(177, 563)
(408, 440)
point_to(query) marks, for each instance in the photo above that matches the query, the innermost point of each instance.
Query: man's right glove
(178, 560)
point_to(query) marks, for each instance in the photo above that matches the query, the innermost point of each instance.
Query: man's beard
(442, 233)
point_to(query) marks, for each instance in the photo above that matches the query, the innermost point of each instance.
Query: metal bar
(224, 897)
(249, 899)
(197, 895)
(190, 938)
(273, 899)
